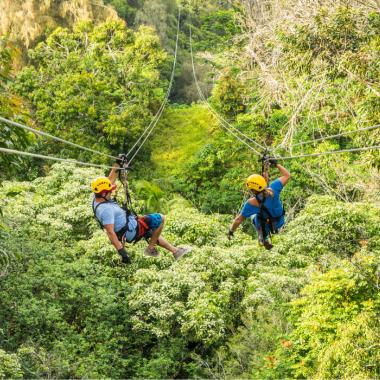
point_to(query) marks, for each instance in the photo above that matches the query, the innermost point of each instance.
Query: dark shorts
(153, 221)
(256, 223)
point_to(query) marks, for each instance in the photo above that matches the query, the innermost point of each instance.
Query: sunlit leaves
(96, 85)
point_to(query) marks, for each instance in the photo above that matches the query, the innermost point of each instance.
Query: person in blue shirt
(264, 208)
(122, 227)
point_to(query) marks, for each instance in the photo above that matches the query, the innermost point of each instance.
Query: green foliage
(336, 306)
(216, 30)
(126, 9)
(68, 308)
(152, 196)
(11, 107)
(309, 308)
(183, 131)
(9, 366)
(340, 292)
(344, 226)
(162, 16)
(103, 81)
(229, 94)
(309, 78)
(338, 49)
(355, 351)
(333, 34)
(204, 172)
(77, 303)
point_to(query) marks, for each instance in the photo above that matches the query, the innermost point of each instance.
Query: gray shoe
(151, 252)
(181, 251)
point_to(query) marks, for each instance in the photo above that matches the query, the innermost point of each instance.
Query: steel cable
(330, 152)
(335, 136)
(222, 121)
(149, 129)
(41, 133)
(23, 153)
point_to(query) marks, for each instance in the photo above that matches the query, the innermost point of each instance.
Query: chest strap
(120, 234)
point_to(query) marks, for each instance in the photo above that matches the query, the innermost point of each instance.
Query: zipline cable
(37, 132)
(330, 152)
(149, 133)
(22, 153)
(222, 121)
(149, 129)
(202, 97)
(335, 136)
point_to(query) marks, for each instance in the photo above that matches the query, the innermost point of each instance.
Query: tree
(11, 107)
(97, 85)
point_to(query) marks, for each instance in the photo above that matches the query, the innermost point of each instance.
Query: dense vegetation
(70, 309)
(281, 72)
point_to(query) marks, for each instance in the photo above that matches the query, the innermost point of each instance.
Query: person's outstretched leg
(265, 241)
(156, 223)
(156, 232)
(256, 225)
(162, 242)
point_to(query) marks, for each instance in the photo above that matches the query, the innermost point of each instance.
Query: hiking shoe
(181, 251)
(151, 252)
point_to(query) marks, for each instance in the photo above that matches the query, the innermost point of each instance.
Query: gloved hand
(272, 161)
(124, 256)
(230, 234)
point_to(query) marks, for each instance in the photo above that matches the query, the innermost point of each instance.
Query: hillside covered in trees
(195, 93)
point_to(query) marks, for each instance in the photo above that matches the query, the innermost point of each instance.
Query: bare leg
(260, 235)
(156, 234)
(165, 244)
(257, 226)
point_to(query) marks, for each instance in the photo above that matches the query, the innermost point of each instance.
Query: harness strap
(143, 226)
(120, 234)
(270, 220)
(143, 230)
(94, 208)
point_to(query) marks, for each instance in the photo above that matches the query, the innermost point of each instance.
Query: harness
(120, 234)
(268, 219)
(142, 229)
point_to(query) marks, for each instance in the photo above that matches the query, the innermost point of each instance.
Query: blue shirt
(111, 213)
(273, 204)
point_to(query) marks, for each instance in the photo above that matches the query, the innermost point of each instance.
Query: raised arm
(113, 173)
(285, 174)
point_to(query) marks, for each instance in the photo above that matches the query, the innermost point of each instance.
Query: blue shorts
(153, 221)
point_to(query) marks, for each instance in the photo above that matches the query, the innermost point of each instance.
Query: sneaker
(151, 252)
(181, 251)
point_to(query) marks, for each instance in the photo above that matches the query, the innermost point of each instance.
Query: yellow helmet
(101, 184)
(256, 182)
